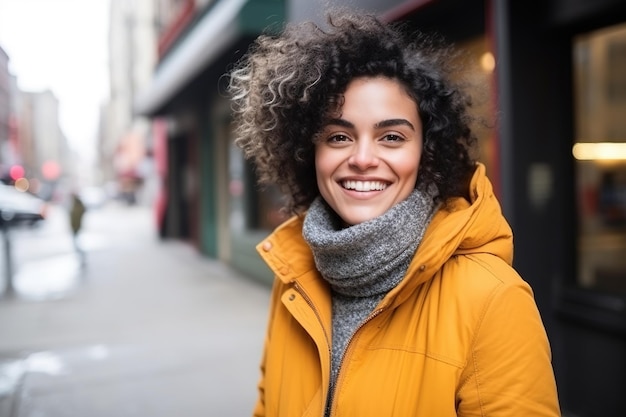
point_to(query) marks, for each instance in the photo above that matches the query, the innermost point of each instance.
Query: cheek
(408, 165)
(323, 165)
(411, 169)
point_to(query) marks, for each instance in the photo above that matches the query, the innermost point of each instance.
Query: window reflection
(599, 151)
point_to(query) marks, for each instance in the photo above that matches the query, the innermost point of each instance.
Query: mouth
(364, 186)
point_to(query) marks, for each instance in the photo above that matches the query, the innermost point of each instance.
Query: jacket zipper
(343, 358)
(307, 299)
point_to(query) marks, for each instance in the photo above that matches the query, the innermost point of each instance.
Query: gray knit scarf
(363, 262)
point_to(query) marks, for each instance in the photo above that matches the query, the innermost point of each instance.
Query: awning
(209, 38)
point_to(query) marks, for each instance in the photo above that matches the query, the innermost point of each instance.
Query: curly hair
(287, 85)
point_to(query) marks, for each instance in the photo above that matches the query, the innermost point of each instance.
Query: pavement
(145, 327)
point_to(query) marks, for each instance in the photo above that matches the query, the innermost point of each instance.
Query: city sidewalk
(145, 328)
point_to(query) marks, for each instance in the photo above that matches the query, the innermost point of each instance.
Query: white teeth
(364, 185)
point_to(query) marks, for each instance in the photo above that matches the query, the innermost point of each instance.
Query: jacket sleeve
(259, 408)
(509, 371)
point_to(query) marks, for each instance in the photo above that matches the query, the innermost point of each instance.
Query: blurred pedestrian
(77, 212)
(394, 291)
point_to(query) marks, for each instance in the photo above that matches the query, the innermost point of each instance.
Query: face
(366, 159)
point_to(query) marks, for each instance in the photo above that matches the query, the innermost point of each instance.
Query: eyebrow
(380, 125)
(394, 122)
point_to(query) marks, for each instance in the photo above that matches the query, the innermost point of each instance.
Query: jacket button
(292, 297)
(267, 246)
(284, 270)
(422, 268)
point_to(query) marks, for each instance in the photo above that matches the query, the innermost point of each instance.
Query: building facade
(555, 77)
(41, 146)
(34, 152)
(125, 158)
(5, 108)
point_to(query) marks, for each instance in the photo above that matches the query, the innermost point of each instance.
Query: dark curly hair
(287, 85)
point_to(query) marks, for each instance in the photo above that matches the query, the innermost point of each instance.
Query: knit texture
(363, 262)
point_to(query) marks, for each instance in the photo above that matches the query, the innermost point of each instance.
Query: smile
(364, 185)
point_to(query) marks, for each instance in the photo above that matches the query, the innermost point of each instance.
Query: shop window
(600, 159)
(253, 207)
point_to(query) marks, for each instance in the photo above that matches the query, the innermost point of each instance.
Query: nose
(363, 156)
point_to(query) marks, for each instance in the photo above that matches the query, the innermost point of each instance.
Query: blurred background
(114, 127)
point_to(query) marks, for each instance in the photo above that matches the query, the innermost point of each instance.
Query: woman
(394, 291)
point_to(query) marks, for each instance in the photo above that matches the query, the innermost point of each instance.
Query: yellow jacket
(459, 336)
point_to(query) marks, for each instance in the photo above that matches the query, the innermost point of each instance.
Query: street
(143, 328)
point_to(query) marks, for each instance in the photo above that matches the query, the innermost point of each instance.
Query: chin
(353, 219)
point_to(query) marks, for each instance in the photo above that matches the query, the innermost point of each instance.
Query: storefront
(191, 120)
(552, 88)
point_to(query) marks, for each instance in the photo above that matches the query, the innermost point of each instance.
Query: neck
(371, 257)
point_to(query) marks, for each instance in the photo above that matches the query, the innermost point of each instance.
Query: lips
(364, 186)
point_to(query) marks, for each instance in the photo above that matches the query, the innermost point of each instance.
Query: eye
(391, 137)
(339, 138)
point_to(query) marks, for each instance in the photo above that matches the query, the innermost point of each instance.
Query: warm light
(599, 151)
(487, 62)
(22, 184)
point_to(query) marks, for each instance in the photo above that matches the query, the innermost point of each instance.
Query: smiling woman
(366, 160)
(394, 290)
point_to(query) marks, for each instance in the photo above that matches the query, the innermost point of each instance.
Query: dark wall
(535, 105)
(584, 14)
(533, 47)
(454, 19)
(591, 371)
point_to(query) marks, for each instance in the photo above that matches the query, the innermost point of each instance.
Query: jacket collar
(475, 226)
(286, 252)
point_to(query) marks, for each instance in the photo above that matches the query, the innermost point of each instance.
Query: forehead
(380, 83)
(371, 96)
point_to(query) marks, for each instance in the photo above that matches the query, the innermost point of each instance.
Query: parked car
(20, 207)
